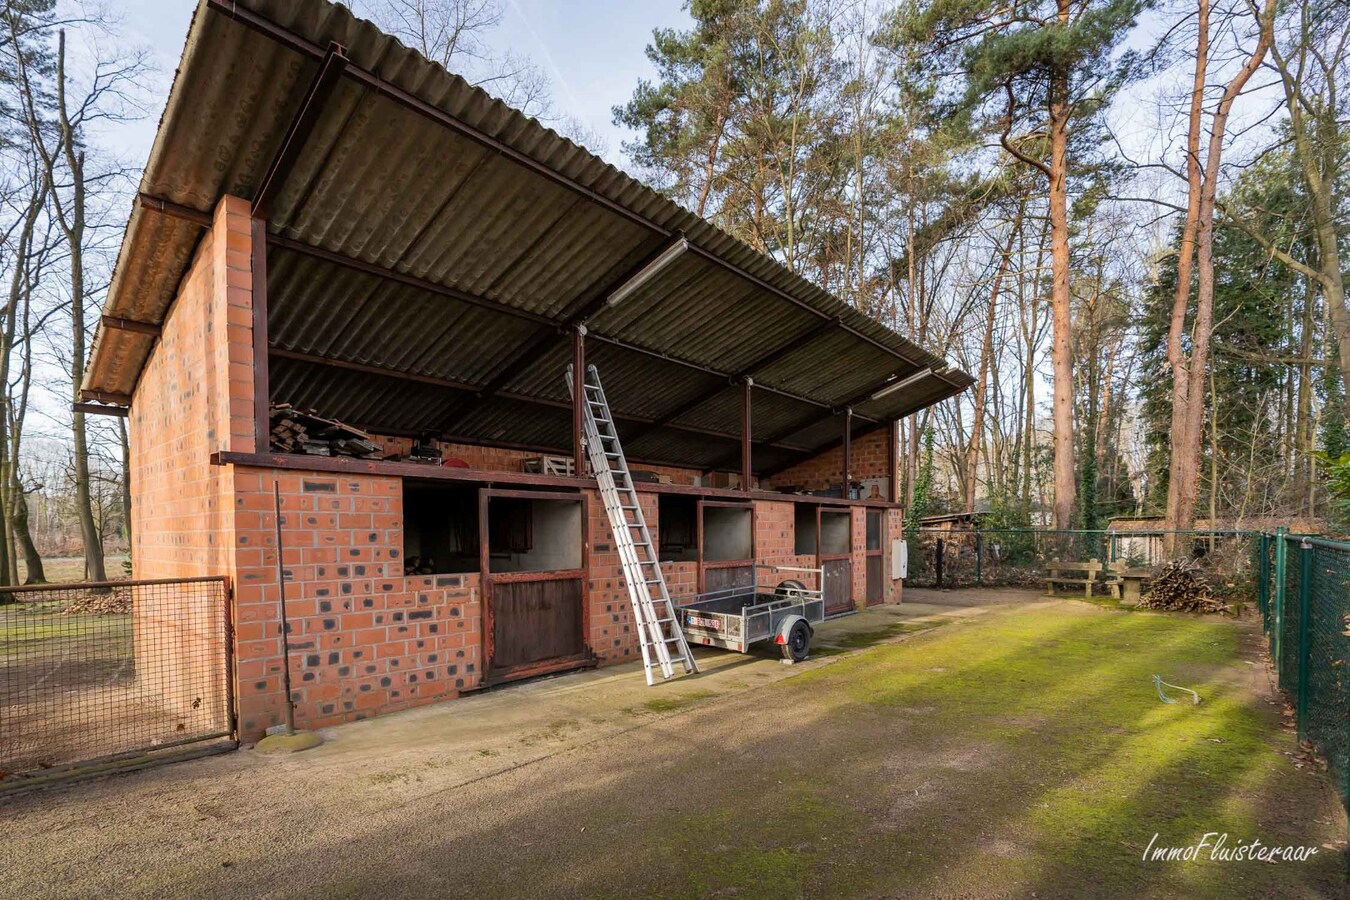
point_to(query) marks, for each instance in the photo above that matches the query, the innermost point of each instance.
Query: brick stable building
(329, 220)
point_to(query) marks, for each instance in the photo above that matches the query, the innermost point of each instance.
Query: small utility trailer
(736, 617)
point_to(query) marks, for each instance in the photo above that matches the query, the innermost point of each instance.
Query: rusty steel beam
(106, 397)
(120, 324)
(173, 210)
(99, 409)
(578, 398)
(912, 408)
(280, 353)
(306, 117)
(262, 386)
(847, 468)
(527, 355)
(746, 388)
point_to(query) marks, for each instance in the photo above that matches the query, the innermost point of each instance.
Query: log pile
(1181, 586)
(304, 431)
(110, 602)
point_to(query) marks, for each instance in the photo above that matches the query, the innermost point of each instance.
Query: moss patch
(679, 701)
(857, 640)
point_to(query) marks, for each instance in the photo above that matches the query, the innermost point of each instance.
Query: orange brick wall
(869, 460)
(364, 638)
(504, 459)
(195, 396)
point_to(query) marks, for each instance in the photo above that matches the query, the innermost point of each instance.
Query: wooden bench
(1127, 584)
(1076, 573)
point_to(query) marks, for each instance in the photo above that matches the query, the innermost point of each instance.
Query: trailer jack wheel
(798, 643)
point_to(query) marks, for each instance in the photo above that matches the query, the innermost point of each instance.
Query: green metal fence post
(979, 559)
(1305, 560)
(1264, 579)
(1277, 615)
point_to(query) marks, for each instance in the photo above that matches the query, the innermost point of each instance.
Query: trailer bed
(736, 617)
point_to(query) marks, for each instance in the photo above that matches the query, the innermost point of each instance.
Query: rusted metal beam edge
(99, 409)
(118, 323)
(106, 397)
(306, 117)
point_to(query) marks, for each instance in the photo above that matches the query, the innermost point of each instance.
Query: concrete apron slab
(481, 735)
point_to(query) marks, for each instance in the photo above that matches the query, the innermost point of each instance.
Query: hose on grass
(1162, 694)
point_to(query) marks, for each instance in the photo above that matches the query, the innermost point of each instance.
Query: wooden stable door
(534, 621)
(834, 551)
(876, 556)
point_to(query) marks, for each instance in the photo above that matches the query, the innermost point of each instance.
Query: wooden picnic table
(1075, 573)
(1127, 585)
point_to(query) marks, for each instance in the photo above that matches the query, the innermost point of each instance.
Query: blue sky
(593, 51)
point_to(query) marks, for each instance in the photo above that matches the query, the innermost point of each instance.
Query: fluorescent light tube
(902, 383)
(649, 271)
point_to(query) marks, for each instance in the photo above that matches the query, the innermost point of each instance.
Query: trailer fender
(785, 628)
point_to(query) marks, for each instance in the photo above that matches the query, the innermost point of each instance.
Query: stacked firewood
(304, 431)
(1181, 586)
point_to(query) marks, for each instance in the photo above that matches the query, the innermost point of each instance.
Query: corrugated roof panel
(679, 447)
(493, 203)
(369, 402)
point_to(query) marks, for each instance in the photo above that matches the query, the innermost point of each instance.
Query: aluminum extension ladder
(659, 632)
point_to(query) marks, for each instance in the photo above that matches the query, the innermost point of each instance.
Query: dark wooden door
(716, 578)
(534, 619)
(838, 585)
(876, 562)
(534, 622)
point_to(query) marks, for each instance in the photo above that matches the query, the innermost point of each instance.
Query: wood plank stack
(305, 431)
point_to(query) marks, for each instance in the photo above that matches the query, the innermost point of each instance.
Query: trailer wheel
(790, 588)
(798, 643)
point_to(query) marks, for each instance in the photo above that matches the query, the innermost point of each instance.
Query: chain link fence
(1303, 591)
(1022, 557)
(93, 673)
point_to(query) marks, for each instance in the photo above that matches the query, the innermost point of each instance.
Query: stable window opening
(526, 535)
(728, 533)
(440, 529)
(804, 529)
(836, 533)
(874, 522)
(677, 528)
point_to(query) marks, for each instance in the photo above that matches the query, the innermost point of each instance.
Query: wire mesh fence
(90, 672)
(1013, 557)
(1303, 590)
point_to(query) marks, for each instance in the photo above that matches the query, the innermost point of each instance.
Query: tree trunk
(1188, 411)
(1178, 478)
(986, 354)
(74, 226)
(1061, 350)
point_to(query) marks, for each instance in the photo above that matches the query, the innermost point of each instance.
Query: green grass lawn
(65, 569)
(1023, 754)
